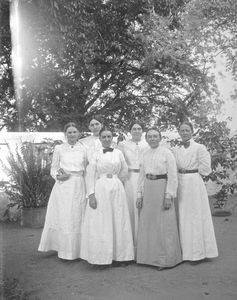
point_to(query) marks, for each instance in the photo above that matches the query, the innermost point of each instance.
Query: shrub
(30, 182)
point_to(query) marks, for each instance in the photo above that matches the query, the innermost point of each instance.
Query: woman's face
(185, 132)
(72, 135)
(106, 138)
(95, 127)
(136, 132)
(153, 138)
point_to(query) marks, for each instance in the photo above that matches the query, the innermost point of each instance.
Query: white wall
(12, 139)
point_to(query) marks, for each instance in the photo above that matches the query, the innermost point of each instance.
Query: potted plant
(30, 183)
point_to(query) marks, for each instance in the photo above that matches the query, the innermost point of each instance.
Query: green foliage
(131, 59)
(213, 24)
(124, 59)
(30, 182)
(223, 150)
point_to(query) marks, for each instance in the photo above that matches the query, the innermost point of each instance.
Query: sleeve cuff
(170, 195)
(89, 193)
(139, 194)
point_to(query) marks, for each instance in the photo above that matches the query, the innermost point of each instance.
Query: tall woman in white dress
(158, 240)
(106, 231)
(195, 222)
(132, 151)
(67, 201)
(92, 142)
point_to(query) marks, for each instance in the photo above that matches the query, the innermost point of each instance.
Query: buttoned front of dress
(159, 161)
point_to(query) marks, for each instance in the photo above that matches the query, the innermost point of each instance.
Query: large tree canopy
(214, 24)
(124, 59)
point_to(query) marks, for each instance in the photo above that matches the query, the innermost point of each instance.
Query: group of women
(136, 200)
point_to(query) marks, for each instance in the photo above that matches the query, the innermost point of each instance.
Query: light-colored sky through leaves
(226, 86)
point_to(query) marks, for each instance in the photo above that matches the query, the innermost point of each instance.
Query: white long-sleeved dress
(195, 222)
(92, 144)
(106, 231)
(158, 239)
(132, 152)
(66, 206)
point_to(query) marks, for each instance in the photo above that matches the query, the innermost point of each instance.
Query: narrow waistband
(76, 173)
(155, 177)
(134, 170)
(183, 171)
(108, 175)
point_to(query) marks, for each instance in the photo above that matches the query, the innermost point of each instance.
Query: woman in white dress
(158, 239)
(66, 206)
(132, 151)
(197, 234)
(92, 142)
(106, 231)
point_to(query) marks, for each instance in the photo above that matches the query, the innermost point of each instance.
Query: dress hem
(200, 257)
(68, 257)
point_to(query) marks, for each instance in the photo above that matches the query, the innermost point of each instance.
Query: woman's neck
(153, 148)
(136, 140)
(72, 143)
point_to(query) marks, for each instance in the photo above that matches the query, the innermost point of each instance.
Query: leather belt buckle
(109, 175)
(182, 171)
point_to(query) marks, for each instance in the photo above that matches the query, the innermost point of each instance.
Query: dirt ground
(46, 277)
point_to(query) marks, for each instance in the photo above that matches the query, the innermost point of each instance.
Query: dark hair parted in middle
(70, 124)
(105, 129)
(136, 123)
(96, 117)
(186, 123)
(153, 128)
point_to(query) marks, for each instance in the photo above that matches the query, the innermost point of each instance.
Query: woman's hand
(168, 202)
(62, 177)
(92, 201)
(139, 203)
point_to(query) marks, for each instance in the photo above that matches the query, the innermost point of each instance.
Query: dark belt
(183, 171)
(134, 170)
(155, 177)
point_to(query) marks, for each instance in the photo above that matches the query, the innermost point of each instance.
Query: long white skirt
(106, 231)
(197, 234)
(131, 193)
(65, 212)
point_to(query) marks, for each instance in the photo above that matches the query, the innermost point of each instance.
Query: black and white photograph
(118, 150)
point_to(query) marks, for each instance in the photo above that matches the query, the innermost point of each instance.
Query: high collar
(135, 142)
(154, 149)
(71, 145)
